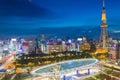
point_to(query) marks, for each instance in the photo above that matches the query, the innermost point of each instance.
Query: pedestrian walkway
(112, 65)
(12, 78)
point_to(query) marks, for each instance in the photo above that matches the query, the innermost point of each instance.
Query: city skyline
(59, 40)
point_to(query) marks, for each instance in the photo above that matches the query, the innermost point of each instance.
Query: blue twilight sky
(35, 14)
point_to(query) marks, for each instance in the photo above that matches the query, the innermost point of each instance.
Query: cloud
(23, 8)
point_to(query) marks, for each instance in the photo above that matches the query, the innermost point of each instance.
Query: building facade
(55, 48)
(118, 52)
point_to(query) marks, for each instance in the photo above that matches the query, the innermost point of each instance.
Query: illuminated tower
(104, 35)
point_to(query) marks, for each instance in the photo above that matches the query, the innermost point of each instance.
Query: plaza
(67, 70)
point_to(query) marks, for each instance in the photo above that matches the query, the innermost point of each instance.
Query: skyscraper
(104, 34)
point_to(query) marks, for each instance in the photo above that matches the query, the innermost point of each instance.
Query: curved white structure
(62, 68)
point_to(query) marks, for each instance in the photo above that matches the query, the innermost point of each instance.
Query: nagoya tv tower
(104, 34)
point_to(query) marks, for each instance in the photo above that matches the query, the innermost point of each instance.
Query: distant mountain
(62, 31)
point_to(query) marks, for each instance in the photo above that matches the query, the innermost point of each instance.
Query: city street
(6, 60)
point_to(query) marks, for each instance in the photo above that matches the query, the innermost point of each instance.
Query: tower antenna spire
(103, 4)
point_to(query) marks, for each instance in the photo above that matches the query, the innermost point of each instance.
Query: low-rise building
(118, 52)
(112, 53)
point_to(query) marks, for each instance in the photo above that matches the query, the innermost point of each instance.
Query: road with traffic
(6, 60)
